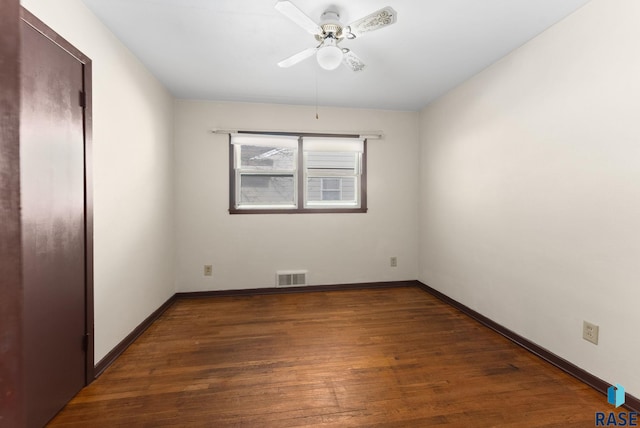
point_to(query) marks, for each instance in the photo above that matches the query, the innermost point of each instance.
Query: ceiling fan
(330, 32)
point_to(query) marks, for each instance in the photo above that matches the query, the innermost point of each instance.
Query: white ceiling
(227, 50)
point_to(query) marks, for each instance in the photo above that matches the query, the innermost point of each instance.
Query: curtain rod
(371, 135)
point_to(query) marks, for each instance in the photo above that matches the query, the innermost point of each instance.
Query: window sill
(299, 211)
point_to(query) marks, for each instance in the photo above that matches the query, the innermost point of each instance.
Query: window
(288, 173)
(332, 171)
(265, 171)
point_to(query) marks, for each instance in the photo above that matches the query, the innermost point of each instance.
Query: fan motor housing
(330, 24)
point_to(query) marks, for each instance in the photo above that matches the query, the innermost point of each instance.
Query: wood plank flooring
(395, 357)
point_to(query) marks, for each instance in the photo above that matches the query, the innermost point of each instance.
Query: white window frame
(310, 173)
(238, 141)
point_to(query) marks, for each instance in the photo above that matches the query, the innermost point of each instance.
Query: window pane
(330, 184)
(266, 189)
(331, 195)
(349, 189)
(264, 158)
(332, 160)
(341, 189)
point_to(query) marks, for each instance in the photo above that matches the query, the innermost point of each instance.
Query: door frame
(47, 32)
(12, 402)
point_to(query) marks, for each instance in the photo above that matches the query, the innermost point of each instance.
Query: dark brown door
(53, 215)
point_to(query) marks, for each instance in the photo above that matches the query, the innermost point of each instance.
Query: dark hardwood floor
(381, 357)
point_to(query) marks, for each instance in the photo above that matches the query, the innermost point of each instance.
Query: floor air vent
(291, 278)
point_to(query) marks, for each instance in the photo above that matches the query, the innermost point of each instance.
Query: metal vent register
(291, 278)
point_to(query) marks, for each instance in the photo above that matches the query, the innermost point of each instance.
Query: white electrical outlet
(208, 270)
(393, 262)
(590, 332)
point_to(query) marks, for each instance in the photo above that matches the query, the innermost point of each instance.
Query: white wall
(247, 249)
(133, 189)
(530, 190)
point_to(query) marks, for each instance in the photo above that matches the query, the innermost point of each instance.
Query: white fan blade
(352, 61)
(289, 10)
(300, 56)
(381, 18)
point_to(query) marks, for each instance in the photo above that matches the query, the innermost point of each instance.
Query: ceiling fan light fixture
(330, 32)
(329, 56)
